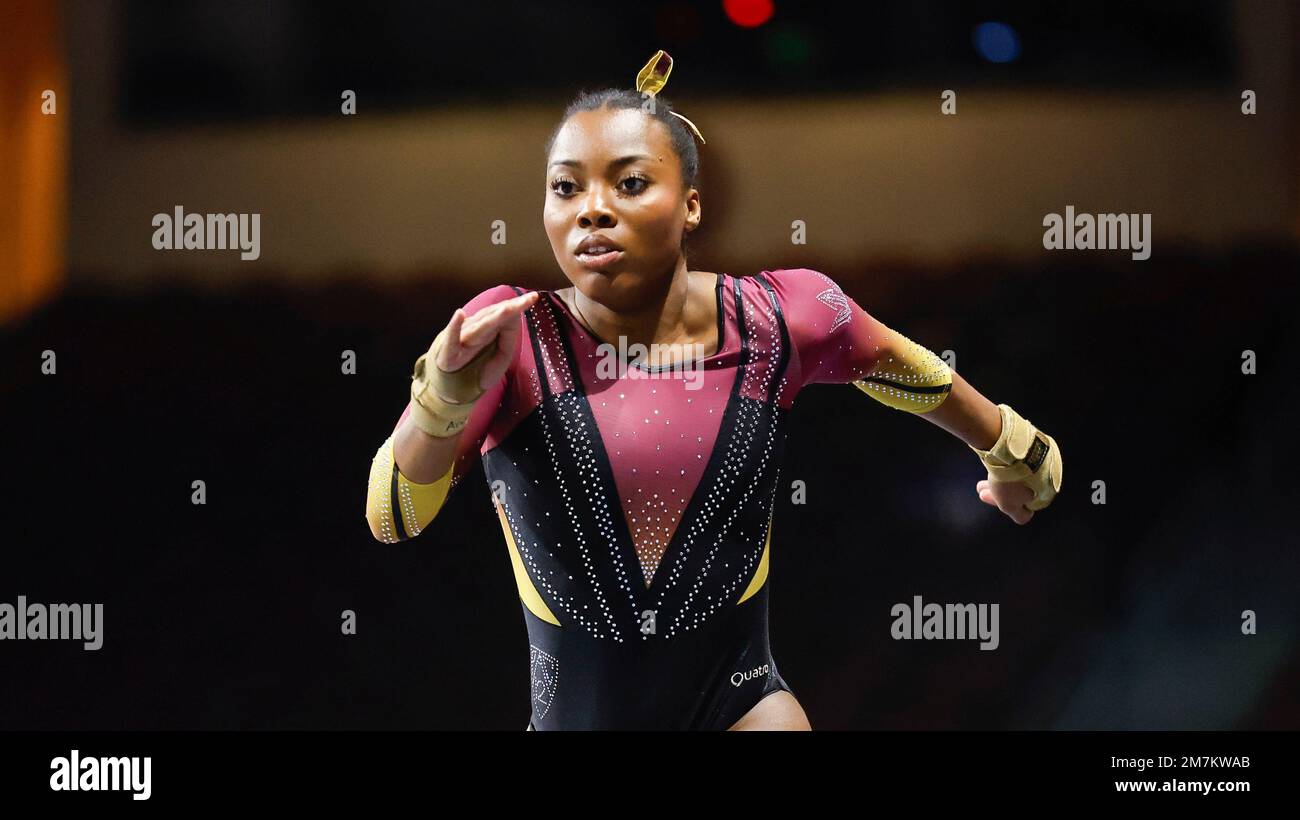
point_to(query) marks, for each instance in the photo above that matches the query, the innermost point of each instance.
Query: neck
(660, 318)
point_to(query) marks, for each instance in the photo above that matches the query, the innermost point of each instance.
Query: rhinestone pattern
(613, 478)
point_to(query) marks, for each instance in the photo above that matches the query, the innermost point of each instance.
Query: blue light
(996, 42)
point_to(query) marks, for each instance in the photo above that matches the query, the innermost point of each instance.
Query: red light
(748, 13)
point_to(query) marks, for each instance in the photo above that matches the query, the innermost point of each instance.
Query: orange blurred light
(33, 155)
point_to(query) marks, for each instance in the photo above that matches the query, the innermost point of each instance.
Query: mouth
(599, 260)
(597, 252)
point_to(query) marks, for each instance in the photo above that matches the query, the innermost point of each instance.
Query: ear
(693, 212)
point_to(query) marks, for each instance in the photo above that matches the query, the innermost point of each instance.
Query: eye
(557, 183)
(641, 184)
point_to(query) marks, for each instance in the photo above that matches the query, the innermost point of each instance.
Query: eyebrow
(615, 164)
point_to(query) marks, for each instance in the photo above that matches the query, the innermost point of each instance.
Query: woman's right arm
(419, 456)
(411, 473)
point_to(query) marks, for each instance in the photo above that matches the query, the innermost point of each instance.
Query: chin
(619, 289)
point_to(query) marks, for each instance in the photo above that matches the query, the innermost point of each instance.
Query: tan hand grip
(441, 400)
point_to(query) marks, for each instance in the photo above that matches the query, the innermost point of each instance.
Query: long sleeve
(396, 507)
(838, 342)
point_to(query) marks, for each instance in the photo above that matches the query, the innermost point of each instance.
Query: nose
(596, 210)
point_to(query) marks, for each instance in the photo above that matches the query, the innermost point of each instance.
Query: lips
(597, 244)
(597, 251)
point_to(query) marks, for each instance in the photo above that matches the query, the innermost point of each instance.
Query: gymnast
(637, 510)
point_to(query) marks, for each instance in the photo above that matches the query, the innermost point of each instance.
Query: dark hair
(682, 138)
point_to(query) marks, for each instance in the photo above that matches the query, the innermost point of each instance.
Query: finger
(1011, 498)
(507, 335)
(510, 306)
(454, 328)
(986, 496)
(525, 300)
(482, 325)
(510, 310)
(471, 333)
(489, 318)
(1016, 512)
(1020, 494)
(496, 367)
(1006, 505)
(1013, 493)
(477, 335)
(451, 350)
(486, 324)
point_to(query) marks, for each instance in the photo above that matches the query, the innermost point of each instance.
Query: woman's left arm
(837, 341)
(969, 416)
(1024, 464)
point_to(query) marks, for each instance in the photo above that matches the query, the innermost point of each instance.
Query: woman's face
(613, 173)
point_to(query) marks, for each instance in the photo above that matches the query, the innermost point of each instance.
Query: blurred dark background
(209, 62)
(181, 366)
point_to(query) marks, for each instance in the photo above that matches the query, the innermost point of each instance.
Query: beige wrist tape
(441, 401)
(1026, 455)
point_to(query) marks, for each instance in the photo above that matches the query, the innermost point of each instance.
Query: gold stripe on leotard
(527, 592)
(760, 574)
(908, 377)
(396, 507)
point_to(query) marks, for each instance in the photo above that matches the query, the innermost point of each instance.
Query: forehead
(596, 136)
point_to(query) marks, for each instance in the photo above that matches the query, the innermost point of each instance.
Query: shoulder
(799, 281)
(810, 299)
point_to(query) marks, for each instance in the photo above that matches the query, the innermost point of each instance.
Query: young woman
(637, 500)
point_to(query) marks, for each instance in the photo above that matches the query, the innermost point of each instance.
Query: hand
(468, 335)
(1008, 496)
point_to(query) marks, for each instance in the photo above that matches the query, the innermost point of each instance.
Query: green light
(788, 47)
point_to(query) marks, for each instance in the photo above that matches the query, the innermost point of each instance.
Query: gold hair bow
(652, 79)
